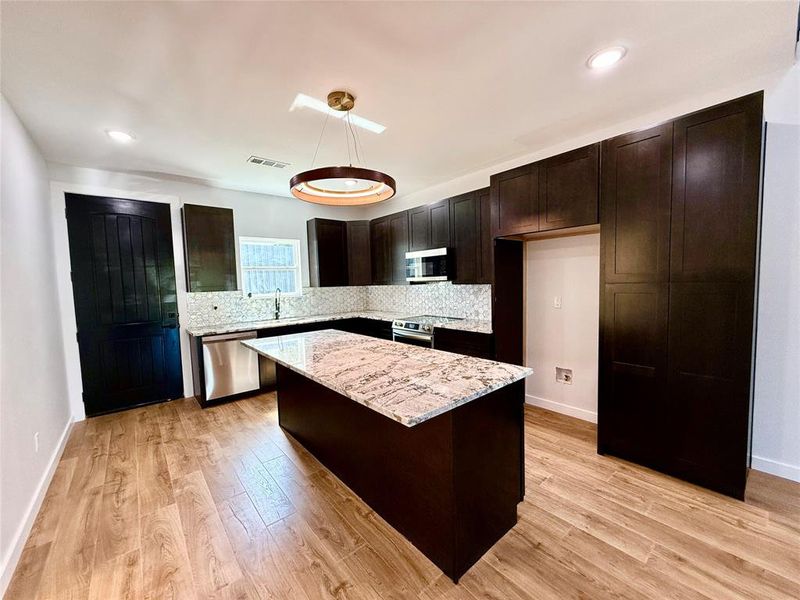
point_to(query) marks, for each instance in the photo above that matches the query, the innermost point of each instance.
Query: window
(268, 264)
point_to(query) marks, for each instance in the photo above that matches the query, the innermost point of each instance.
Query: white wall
(776, 403)
(775, 99)
(567, 337)
(253, 215)
(32, 372)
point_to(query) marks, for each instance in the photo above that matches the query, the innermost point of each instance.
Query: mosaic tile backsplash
(443, 299)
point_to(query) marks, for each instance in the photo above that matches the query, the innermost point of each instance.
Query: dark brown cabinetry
(479, 345)
(389, 242)
(679, 243)
(555, 193)
(398, 244)
(210, 248)
(568, 189)
(380, 251)
(486, 249)
(465, 237)
(515, 203)
(429, 226)
(359, 266)
(327, 252)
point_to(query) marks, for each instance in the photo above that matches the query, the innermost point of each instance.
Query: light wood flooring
(175, 502)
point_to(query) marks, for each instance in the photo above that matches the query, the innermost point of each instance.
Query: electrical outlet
(563, 375)
(36, 441)
(557, 302)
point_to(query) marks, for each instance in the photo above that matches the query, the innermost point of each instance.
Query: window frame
(298, 268)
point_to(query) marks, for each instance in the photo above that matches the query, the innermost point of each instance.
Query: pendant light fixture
(342, 186)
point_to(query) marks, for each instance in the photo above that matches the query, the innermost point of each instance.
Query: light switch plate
(557, 302)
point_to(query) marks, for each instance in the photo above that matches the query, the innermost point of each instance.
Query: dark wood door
(568, 189)
(515, 205)
(715, 191)
(123, 281)
(465, 237)
(635, 207)
(419, 228)
(210, 248)
(633, 371)
(710, 348)
(486, 242)
(380, 250)
(440, 224)
(398, 245)
(327, 252)
(359, 263)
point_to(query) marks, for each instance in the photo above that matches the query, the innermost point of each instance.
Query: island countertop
(406, 383)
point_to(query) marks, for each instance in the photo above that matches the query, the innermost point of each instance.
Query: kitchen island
(431, 440)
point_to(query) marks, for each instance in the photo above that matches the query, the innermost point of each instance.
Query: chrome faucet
(277, 303)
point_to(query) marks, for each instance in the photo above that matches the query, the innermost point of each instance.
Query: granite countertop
(406, 383)
(472, 325)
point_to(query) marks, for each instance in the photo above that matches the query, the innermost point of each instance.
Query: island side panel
(488, 458)
(404, 473)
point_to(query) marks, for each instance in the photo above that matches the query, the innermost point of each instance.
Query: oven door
(413, 338)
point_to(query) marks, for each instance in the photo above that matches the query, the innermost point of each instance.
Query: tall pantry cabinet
(679, 230)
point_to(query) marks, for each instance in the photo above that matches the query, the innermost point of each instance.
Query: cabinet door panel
(327, 252)
(398, 246)
(486, 245)
(633, 370)
(710, 334)
(358, 253)
(717, 154)
(635, 207)
(515, 207)
(380, 250)
(440, 224)
(464, 217)
(568, 189)
(210, 248)
(419, 228)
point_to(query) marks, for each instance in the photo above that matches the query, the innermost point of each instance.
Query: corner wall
(33, 396)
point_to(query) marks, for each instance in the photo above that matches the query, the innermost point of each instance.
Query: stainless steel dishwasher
(229, 367)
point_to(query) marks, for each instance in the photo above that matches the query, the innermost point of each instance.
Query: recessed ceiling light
(303, 101)
(350, 182)
(603, 59)
(120, 136)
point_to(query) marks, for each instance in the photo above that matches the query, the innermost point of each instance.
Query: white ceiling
(459, 86)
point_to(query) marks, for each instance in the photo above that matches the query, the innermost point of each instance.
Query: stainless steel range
(418, 330)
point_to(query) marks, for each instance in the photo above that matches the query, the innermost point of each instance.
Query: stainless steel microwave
(428, 265)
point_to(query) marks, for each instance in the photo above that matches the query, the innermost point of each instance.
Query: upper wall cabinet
(556, 193)
(389, 242)
(486, 261)
(515, 206)
(358, 253)
(635, 207)
(568, 189)
(465, 237)
(715, 186)
(210, 248)
(429, 226)
(398, 244)
(327, 253)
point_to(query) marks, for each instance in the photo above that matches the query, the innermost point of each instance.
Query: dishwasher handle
(229, 337)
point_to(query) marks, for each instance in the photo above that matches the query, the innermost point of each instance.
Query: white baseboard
(774, 467)
(564, 409)
(11, 558)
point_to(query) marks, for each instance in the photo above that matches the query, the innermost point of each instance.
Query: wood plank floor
(175, 502)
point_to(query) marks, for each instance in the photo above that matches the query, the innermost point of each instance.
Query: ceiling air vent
(267, 162)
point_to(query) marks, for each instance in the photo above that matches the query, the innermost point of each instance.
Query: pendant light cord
(327, 115)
